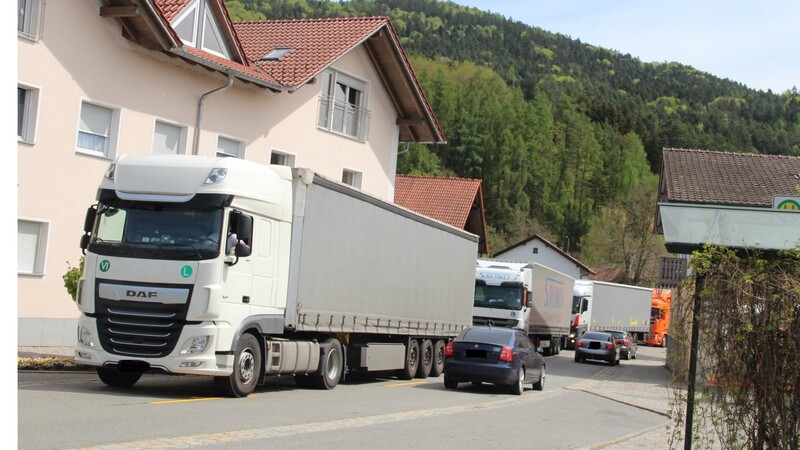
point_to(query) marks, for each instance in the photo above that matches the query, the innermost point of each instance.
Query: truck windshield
(500, 297)
(157, 230)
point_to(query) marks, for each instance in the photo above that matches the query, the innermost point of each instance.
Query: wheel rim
(333, 364)
(247, 366)
(413, 356)
(521, 380)
(541, 379)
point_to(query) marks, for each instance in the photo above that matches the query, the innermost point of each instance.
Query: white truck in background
(526, 296)
(325, 280)
(598, 305)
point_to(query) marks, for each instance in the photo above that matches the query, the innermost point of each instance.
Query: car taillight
(448, 350)
(579, 343)
(609, 346)
(506, 354)
(624, 342)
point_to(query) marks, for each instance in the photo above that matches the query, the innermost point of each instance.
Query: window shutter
(166, 139)
(27, 245)
(95, 119)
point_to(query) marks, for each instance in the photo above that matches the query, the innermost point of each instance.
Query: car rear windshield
(488, 335)
(597, 336)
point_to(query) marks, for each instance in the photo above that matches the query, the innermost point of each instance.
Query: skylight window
(276, 54)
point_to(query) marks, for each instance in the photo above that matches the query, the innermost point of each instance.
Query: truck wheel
(246, 369)
(412, 361)
(116, 378)
(425, 359)
(332, 365)
(438, 358)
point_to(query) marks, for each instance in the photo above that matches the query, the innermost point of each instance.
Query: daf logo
(141, 294)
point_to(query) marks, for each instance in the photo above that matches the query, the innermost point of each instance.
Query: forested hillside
(566, 136)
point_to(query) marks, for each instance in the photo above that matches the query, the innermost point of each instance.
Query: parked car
(627, 343)
(597, 345)
(501, 356)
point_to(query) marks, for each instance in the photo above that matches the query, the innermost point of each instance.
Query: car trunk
(477, 352)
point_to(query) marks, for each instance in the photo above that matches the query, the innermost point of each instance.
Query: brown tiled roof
(315, 44)
(171, 8)
(734, 179)
(448, 200)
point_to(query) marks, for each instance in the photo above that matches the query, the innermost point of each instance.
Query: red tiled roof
(224, 62)
(315, 44)
(448, 200)
(721, 178)
(171, 8)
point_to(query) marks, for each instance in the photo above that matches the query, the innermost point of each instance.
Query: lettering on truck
(554, 291)
(494, 276)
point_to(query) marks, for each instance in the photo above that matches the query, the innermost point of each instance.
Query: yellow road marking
(410, 383)
(187, 400)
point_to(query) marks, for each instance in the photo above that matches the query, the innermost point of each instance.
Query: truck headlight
(195, 345)
(85, 337)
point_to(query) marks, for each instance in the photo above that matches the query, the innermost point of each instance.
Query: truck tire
(438, 358)
(412, 361)
(425, 359)
(116, 378)
(331, 366)
(246, 369)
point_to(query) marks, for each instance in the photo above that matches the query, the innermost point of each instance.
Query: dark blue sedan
(501, 356)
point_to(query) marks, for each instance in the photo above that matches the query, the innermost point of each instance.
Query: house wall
(82, 56)
(545, 256)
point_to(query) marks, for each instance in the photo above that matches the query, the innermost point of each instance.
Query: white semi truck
(526, 296)
(598, 305)
(324, 280)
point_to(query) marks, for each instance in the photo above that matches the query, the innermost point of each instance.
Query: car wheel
(449, 382)
(539, 385)
(627, 355)
(612, 361)
(577, 358)
(519, 386)
(634, 354)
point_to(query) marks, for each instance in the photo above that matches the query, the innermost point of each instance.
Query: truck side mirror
(244, 229)
(88, 226)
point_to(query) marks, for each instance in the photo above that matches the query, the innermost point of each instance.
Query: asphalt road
(590, 405)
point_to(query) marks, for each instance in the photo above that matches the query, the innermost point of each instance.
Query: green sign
(186, 271)
(105, 265)
(791, 205)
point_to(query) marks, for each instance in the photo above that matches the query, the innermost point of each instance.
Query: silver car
(597, 345)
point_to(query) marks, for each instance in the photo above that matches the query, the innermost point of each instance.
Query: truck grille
(493, 322)
(139, 329)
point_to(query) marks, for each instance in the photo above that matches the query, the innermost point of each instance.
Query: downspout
(196, 142)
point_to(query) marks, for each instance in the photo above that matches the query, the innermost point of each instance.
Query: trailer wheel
(438, 358)
(116, 378)
(412, 361)
(425, 359)
(246, 369)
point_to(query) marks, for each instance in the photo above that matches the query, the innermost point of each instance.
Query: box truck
(236, 270)
(526, 296)
(597, 305)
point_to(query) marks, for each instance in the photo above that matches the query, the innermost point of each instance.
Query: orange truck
(659, 318)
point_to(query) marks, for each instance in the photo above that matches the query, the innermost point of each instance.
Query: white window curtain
(95, 128)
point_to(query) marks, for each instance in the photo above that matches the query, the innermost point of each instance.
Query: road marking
(410, 383)
(232, 437)
(186, 400)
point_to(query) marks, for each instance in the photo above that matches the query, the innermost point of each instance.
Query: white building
(539, 250)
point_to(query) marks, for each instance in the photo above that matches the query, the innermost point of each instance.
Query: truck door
(265, 238)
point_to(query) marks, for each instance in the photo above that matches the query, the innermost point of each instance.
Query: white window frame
(30, 18)
(40, 253)
(26, 130)
(286, 159)
(183, 131)
(356, 177)
(110, 150)
(239, 151)
(330, 107)
(201, 11)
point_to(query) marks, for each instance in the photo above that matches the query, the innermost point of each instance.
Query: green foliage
(748, 319)
(72, 276)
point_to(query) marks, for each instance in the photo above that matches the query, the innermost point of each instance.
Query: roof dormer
(198, 26)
